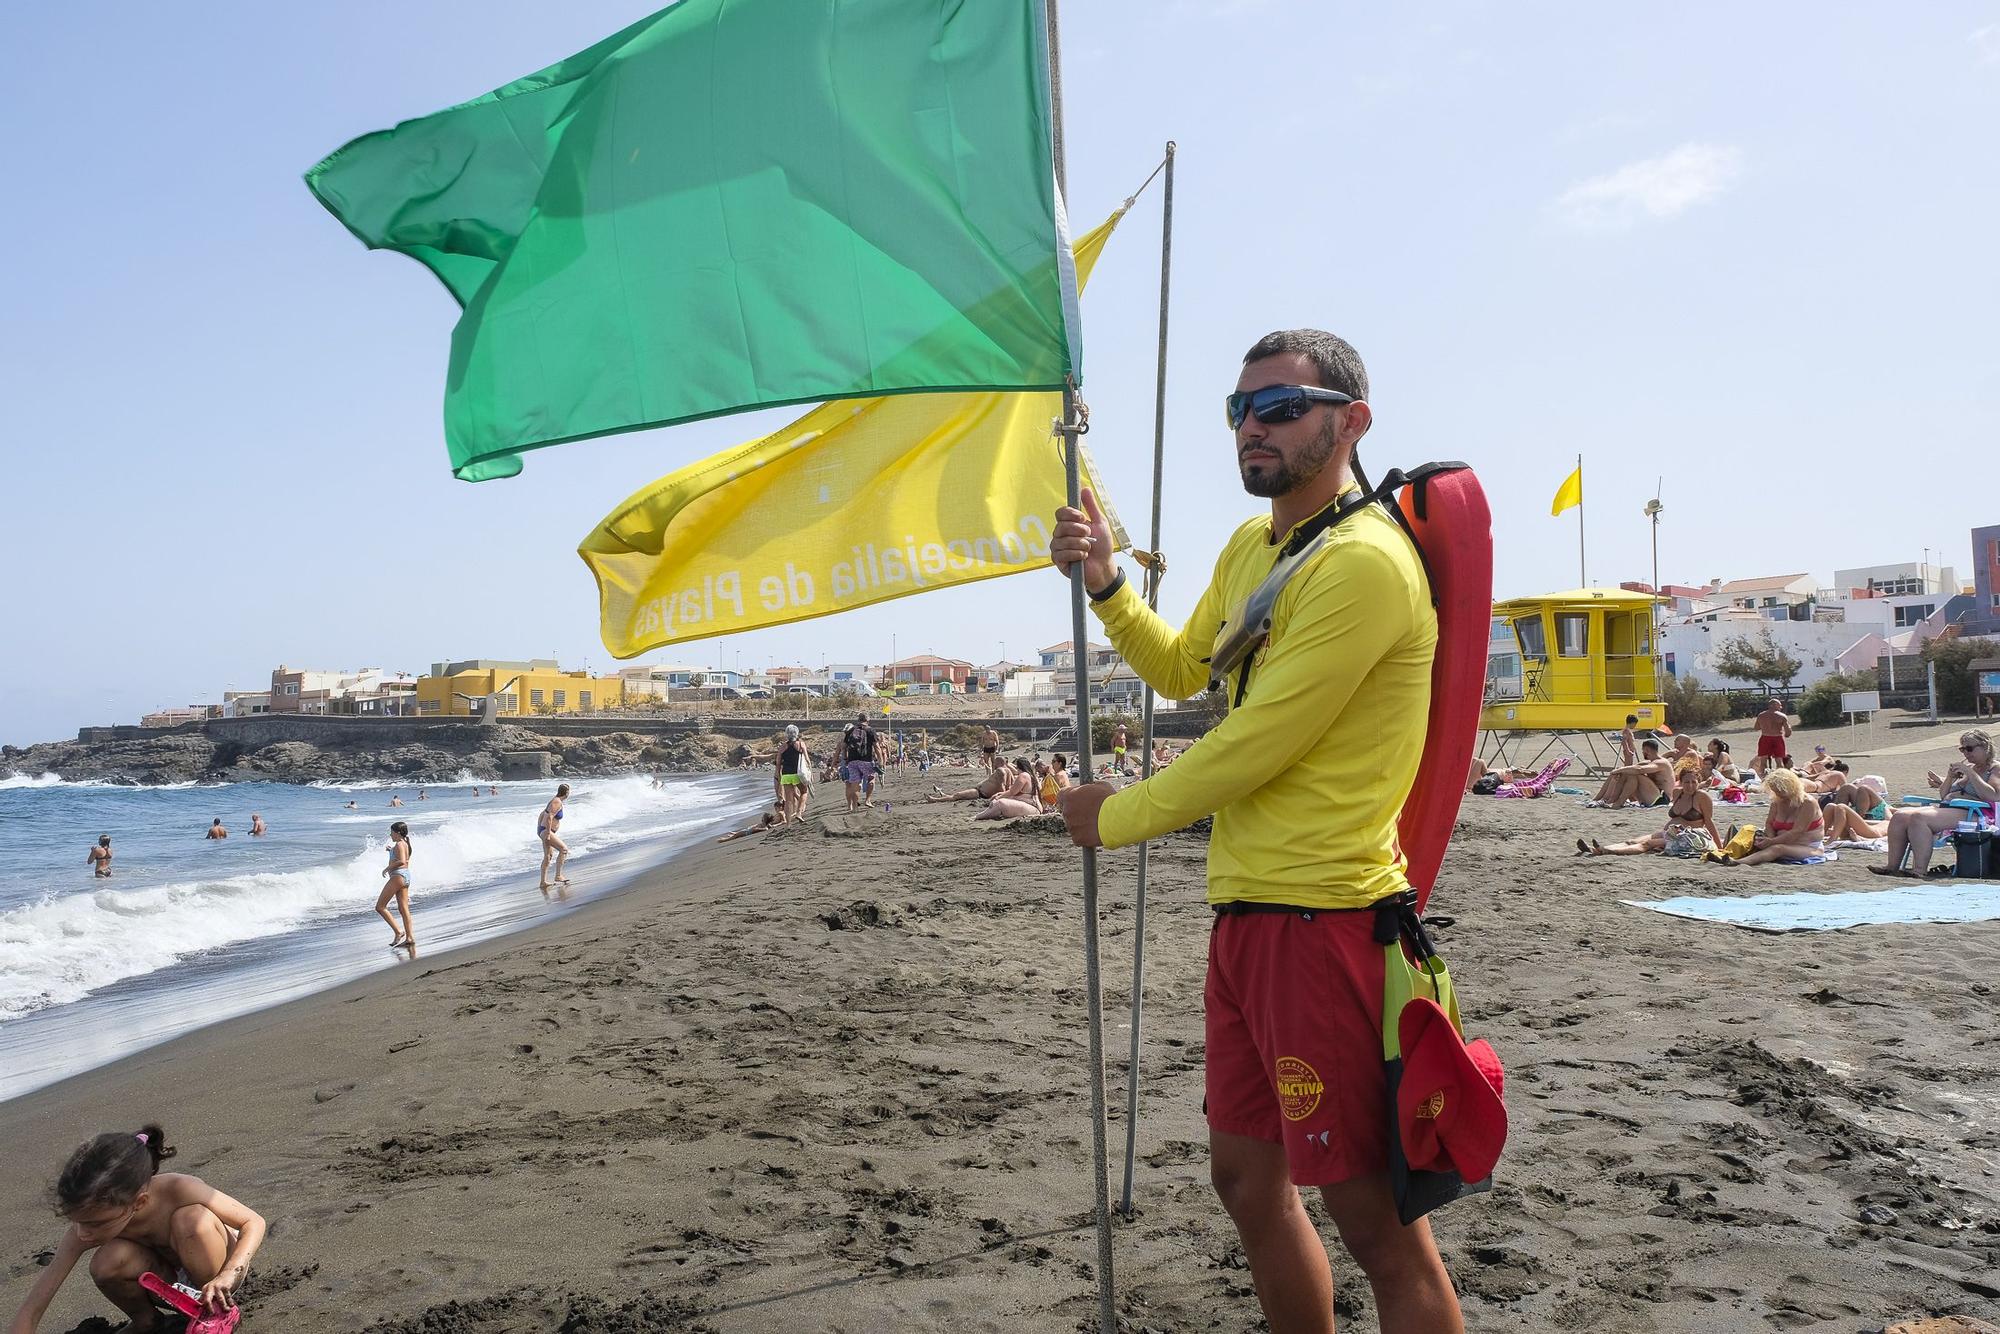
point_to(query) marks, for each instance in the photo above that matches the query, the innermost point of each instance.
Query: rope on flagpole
(1155, 566)
(1158, 167)
(1072, 427)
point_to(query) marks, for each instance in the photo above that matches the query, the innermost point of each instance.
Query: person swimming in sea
(99, 858)
(140, 1220)
(215, 829)
(256, 825)
(397, 888)
(546, 829)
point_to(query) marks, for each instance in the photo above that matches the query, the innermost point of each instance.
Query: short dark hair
(1649, 741)
(1338, 364)
(1631, 720)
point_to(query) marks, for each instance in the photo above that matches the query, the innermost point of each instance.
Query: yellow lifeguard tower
(1572, 662)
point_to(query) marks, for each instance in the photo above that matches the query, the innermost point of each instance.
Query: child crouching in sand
(140, 1219)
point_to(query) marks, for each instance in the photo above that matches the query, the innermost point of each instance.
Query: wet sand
(834, 1079)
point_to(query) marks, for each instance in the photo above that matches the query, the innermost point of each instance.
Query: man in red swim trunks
(1774, 725)
(1305, 776)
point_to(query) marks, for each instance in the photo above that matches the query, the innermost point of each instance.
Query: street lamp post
(1653, 509)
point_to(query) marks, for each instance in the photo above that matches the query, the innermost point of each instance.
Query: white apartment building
(1919, 578)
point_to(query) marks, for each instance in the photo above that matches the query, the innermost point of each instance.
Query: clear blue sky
(1750, 248)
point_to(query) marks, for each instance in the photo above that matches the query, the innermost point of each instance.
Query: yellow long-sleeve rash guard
(1307, 776)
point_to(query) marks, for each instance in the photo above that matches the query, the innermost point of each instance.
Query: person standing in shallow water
(548, 830)
(215, 829)
(99, 859)
(397, 888)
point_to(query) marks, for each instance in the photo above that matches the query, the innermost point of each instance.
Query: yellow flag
(857, 502)
(1570, 493)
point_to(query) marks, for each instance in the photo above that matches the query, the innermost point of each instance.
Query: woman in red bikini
(1794, 831)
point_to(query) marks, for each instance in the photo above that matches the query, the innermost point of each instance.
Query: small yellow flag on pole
(857, 502)
(1570, 493)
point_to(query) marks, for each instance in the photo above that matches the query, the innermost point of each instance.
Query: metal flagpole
(1072, 430)
(1153, 572)
(1582, 579)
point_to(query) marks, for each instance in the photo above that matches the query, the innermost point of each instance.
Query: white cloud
(1986, 41)
(1658, 187)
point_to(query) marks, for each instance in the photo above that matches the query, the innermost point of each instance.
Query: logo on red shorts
(1432, 1107)
(1299, 1088)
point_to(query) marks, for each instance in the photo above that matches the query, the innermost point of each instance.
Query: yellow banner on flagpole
(1570, 493)
(857, 502)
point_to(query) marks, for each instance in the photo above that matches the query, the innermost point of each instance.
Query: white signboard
(1860, 701)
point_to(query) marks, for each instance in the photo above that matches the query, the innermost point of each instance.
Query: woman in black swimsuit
(1690, 829)
(552, 843)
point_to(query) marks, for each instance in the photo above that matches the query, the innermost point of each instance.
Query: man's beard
(1285, 476)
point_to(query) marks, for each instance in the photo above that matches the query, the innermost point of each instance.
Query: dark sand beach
(834, 1079)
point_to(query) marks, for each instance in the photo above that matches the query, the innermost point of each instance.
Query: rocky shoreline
(445, 754)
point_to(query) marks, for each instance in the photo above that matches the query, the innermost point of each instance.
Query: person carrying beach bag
(1319, 627)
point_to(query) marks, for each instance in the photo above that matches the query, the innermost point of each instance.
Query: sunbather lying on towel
(1499, 774)
(1830, 779)
(1856, 813)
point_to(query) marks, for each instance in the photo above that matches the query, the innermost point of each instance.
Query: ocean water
(189, 931)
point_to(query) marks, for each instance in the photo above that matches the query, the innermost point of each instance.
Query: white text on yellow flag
(857, 502)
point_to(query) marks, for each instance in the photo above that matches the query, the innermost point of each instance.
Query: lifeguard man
(1305, 777)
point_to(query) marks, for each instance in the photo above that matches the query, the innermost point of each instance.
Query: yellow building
(524, 690)
(1585, 661)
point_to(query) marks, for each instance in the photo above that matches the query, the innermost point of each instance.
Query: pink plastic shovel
(187, 1301)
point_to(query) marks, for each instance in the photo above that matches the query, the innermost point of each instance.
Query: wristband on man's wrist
(1108, 589)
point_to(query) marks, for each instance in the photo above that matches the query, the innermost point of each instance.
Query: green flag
(734, 204)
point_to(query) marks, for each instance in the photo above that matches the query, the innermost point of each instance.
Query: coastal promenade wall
(336, 730)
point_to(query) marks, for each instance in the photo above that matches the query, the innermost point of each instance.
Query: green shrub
(1689, 707)
(1820, 705)
(1955, 677)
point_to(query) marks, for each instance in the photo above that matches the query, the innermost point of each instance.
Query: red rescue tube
(1444, 508)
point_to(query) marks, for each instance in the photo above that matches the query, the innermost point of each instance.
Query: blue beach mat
(1943, 902)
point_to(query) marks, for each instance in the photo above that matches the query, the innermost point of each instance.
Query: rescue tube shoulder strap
(1253, 626)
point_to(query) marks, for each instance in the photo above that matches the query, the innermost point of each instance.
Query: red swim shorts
(1773, 746)
(1293, 1021)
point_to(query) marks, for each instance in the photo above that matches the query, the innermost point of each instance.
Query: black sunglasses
(1279, 403)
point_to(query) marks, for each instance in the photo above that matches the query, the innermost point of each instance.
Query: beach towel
(1539, 784)
(1975, 902)
(1861, 844)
